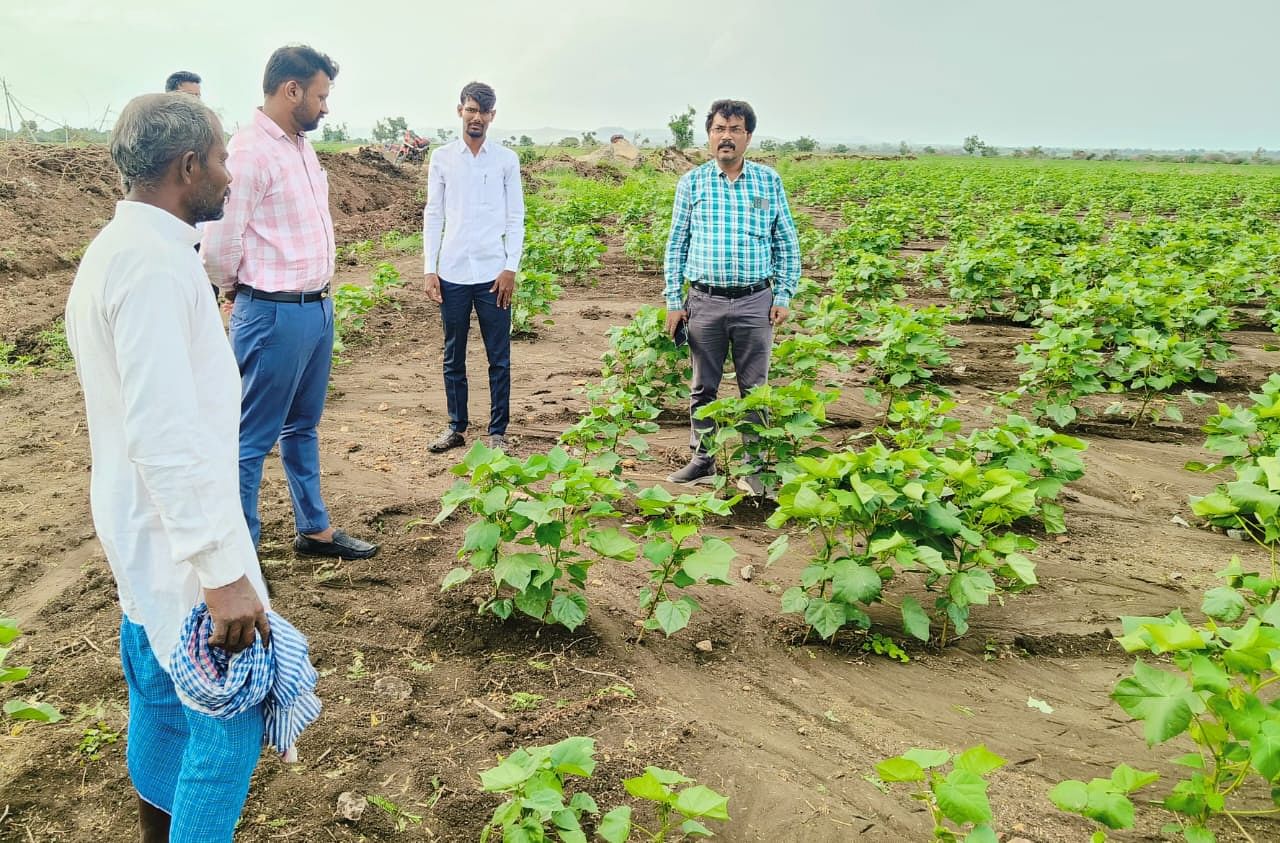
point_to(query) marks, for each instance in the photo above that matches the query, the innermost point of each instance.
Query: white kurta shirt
(162, 397)
(476, 200)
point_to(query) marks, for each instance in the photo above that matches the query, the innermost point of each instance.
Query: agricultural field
(1014, 580)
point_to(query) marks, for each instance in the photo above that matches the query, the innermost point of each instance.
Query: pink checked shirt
(276, 234)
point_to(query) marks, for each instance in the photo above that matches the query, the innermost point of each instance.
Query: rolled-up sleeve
(160, 410)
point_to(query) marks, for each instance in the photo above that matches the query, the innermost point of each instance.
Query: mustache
(727, 144)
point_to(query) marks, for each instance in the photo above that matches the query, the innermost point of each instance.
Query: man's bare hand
(505, 287)
(236, 611)
(674, 318)
(778, 315)
(432, 286)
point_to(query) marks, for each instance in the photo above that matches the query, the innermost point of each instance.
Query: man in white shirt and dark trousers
(474, 198)
(162, 398)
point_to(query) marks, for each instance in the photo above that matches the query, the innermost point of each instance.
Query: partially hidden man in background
(474, 198)
(733, 239)
(162, 399)
(273, 253)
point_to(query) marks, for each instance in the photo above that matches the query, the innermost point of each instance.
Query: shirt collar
(158, 219)
(463, 149)
(266, 124)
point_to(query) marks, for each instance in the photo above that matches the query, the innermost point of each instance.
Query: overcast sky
(1087, 73)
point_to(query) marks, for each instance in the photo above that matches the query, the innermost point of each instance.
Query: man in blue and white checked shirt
(733, 239)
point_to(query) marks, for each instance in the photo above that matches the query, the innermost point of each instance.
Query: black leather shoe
(447, 440)
(343, 546)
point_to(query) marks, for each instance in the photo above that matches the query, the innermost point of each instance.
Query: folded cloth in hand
(214, 682)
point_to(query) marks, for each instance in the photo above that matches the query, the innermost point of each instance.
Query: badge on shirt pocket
(760, 203)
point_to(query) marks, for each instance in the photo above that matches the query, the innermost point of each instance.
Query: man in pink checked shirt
(273, 253)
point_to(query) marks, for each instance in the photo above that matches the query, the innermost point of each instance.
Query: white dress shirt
(162, 397)
(480, 198)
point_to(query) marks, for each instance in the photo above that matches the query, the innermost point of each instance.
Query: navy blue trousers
(495, 329)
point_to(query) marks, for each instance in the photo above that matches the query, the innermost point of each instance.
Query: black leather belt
(296, 298)
(730, 292)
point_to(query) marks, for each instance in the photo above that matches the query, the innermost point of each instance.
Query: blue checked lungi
(194, 767)
(280, 677)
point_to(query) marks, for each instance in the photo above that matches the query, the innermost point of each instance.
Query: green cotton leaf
(978, 760)
(39, 712)
(1127, 779)
(1053, 517)
(569, 610)
(1197, 834)
(982, 834)
(1020, 568)
(1164, 701)
(516, 569)
(536, 511)
(672, 616)
(693, 828)
(550, 534)
(825, 617)
(13, 674)
(937, 517)
(612, 543)
(1264, 750)
(927, 758)
(1223, 604)
(1071, 796)
(495, 500)
(855, 583)
(914, 619)
(881, 546)
(516, 769)
(615, 826)
(9, 631)
(794, 599)
(454, 577)
(533, 603)
(573, 756)
(899, 769)
(647, 787)
(583, 802)
(778, 548)
(658, 551)
(962, 798)
(711, 561)
(701, 801)
(568, 826)
(1208, 675)
(483, 536)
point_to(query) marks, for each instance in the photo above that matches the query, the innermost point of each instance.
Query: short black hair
(733, 108)
(296, 63)
(179, 78)
(480, 92)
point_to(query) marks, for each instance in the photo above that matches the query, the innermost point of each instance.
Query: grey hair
(156, 129)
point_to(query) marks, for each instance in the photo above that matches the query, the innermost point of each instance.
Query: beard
(308, 122)
(210, 208)
(475, 131)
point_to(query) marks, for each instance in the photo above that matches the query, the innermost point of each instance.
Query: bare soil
(789, 729)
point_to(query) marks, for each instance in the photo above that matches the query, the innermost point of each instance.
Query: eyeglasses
(736, 131)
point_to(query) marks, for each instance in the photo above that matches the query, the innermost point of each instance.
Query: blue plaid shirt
(730, 234)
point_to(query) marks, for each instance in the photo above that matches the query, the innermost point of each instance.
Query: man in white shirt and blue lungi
(162, 398)
(474, 199)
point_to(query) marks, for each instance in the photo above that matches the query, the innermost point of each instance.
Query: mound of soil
(53, 199)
